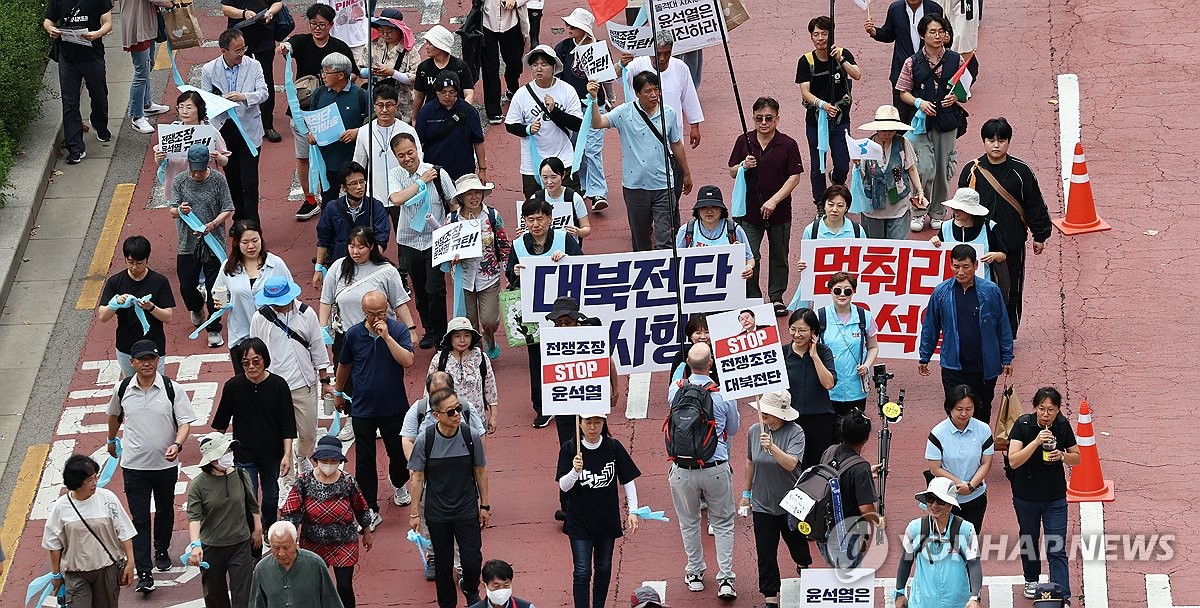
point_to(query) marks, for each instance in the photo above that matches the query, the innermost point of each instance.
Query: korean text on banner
(831, 588)
(325, 124)
(563, 216)
(175, 140)
(575, 367)
(596, 61)
(696, 24)
(637, 41)
(749, 354)
(895, 280)
(634, 295)
(460, 239)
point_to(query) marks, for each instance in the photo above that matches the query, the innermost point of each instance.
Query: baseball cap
(144, 348)
(198, 156)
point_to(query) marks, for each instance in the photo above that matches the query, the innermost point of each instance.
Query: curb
(29, 178)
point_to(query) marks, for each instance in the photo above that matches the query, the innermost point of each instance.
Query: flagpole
(737, 98)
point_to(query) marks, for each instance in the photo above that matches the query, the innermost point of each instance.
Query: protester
(850, 333)
(85, 531)
(239, 79)
(546, 111)
(945, 550)
(291, 577)
(774, 453)
(824, 76)
(970, 225)
(374, 356)
(497, 577)
(350, 278)
(834, 224)
(158, 416)
(204, 194)
(563, 313)
(309, 51)
(589, 473)
(645, 182)
(372, 147)
(964, 17)
(139, 28)
(259, 404)
(350, 26)
(976, 341)
(1039, 486)
(354, 108)
(452, 136)
(502, 38)
(339, 220)
(292, 332)
(394, 61)
(924, 82)
(858, 493)
(223, 523)
(697, 332)
(812, 372)
(448, 461)
(960, 449)
(439, 44)
(900, 27)
(461, 355)
(1014, 202)
(192, 111)
(678, 88)
(711, 482)
(481, 276)
(259, 32)
(769, 186)
(137, 281)
(710, 226)
(580, 33)
(555, 176)
(329, 509)
(892, 186)
(247, 269)
(79, 65)
(422, 189)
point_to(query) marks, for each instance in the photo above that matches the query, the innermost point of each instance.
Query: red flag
(604, 10)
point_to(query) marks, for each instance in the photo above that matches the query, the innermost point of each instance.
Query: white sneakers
(154, 109)
(725, 590)
(141, 125)
(215, 339)
(917, 224)
(936, 224)
(401, 497)
(695, 582)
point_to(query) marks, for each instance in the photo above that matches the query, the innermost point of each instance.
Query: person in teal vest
(710, 226)
(945, 550)
(970, 225)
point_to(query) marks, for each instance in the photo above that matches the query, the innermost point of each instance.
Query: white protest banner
(895, 280)
(563, 216)
(461, 239)
(864, 149)
(696, 24)
(596, 61)
(575, 365)
(325, 124)
(748, 351)
(637, 41)
(74, 36)
(175, 140)
(634, 295)
(837, 588)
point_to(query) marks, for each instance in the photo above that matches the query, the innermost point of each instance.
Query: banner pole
(737, 98)
(578, 447)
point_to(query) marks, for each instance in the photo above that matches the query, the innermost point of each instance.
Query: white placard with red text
(575, 364)
(895, 280)
(748, 351)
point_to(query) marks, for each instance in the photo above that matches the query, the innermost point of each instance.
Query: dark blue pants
(190, 274)
(265, 475)
(593, 564)
(837, 150)
(1032, 517)
(71, 76)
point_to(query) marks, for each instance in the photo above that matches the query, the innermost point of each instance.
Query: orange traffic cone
(1081, 207)
(1087, 481)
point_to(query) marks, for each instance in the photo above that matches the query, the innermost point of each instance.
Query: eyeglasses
(764, 119)
(356, 183)
(252, 362)
(385, 104)
(136, 263)
(454, 411)
(842, 291)
(801, 330)
(375, 314)
(319, 25)
(330, 72)
(238, 51)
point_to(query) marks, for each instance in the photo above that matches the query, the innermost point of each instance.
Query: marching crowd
(412, 157)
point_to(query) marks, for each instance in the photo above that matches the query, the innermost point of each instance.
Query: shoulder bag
(82, 520)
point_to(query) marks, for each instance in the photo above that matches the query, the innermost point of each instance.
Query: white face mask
(499, 597)
(226, 461)
(328, 468)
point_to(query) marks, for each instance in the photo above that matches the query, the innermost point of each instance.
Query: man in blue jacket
(354, 208)
(900, 27)
(977, 343)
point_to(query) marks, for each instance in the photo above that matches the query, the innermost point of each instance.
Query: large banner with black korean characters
(575, 367)
(748, 351)
(696, 24)
(831, 588)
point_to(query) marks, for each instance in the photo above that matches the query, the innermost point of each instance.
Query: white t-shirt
(550, 139)
(383, 160)
(350, 24)
(67, 533)
(678, 90)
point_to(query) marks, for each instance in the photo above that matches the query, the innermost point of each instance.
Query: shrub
(22, 62)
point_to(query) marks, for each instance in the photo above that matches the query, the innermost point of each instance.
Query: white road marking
(638, 402)
(1095, 568)
(1068, 126)
(1158, 592)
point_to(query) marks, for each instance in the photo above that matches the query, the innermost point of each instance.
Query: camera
(880, 375)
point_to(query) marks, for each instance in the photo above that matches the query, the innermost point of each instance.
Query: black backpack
(816, 483)
(862, 327)
(168, 384)
(464, 431)
(691, 429)
(444, 356)
(816, 227)
(466, 414)
(689, 236)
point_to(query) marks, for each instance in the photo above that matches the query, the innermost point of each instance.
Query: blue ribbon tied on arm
(214, 244)
(318, 180)
(130, 302)
(110, 466)
(535, 155)
(822, 136)
(42, 586)
(183, 86)
(421, 201)
(646, 513)
(585, 131)
(738, 198)
(918, 124)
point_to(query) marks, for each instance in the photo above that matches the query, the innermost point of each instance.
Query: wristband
(487, 508)
(898, 593)
(178, 445)
(747, 494)
(529, 130)
(112, 440)
(56, 576)
(320, 268)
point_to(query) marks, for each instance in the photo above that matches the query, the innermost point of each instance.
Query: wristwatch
(487, 508)
(975, 598)
(178, 445)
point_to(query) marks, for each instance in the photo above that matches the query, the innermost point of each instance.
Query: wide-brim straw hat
(777, 404)
(887, 118)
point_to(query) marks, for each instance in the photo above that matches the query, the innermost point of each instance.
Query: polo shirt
(778, 162)
(641, 158)
(809, 396)
(961, 451)
(970, 340)
(151, 423)
(825, 232)
(456, 151)
(400, 178)
(678, 90)
(724, 412)
(354, 107)
(379, 389)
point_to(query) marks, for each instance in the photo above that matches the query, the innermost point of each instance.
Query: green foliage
(22, 62)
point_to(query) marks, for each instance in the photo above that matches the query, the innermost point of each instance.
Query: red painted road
(1080, 332)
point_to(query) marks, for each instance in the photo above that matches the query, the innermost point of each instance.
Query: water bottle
(327, 404)
(220, 296)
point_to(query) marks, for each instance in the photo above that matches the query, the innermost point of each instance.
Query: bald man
(374, 356)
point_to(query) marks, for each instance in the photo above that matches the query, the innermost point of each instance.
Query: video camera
(891, 411)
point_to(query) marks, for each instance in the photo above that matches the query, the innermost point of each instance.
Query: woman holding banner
(192, 111)
(554, 175)
(811, 373)
(589, 470)
(481, 276)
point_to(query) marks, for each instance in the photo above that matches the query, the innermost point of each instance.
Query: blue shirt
(940, 578)
(378, 379)
(455, 152)
(701, 237)
(849, 346)
(641, 150)
(231, 75)
(825, 232)
(354, 107)
(966, 307)
(961, 451)
(725, 413)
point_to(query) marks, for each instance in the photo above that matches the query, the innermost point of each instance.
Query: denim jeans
(139, 87)
(593, 563)
(266, 475)
(1032, 517)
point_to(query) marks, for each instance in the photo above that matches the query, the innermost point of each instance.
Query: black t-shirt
(856, 484)
(818, 75)
(308, 55)
(78, 15)
(262, 415)
(427, 72)
(593, 509)
(259, 36)
(129, 329)
(1038, 480)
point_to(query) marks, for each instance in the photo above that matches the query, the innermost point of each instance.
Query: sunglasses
(933, 500)
(454, 411)
(842, 291)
